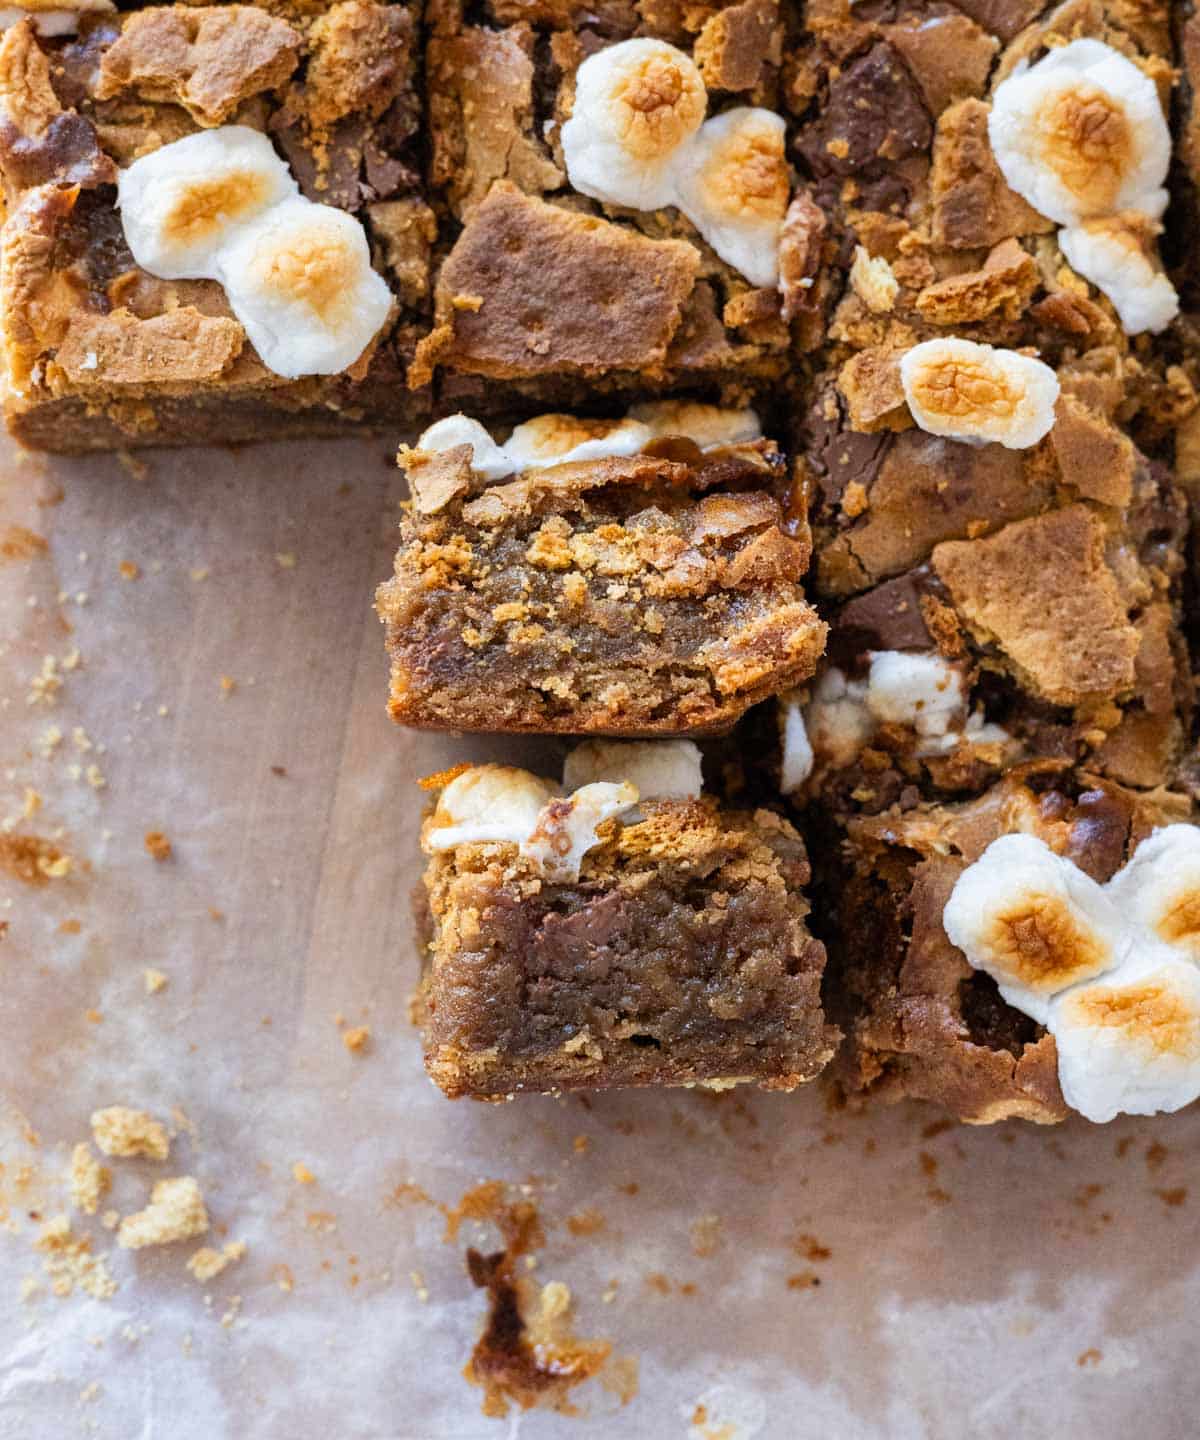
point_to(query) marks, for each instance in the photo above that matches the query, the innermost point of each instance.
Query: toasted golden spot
(1087, 141)
(965, 388)
(207, 205)
(662, 101)
(549, 548)
(314, 267)
(746, 174)
(1151, 1013)
(1180, 921)
(1041, 942)
(556, 434)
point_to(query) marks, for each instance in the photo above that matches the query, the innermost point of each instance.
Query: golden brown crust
(118, 350)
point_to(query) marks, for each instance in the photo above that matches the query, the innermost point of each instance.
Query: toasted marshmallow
(873, 281)
(567, 829)
(1130, 1043)
(837, 721)
(733, 186)
(53, 17)
(487, 458)
(1034, 921)
(1160, 888)
(658, 769)
(636, 104)
(796, 764)
(1117, 257)
(924, 691)
(487, 803)
(709, 426)
(300, 280)
(975, 393)
(560, 439)
(182, 204)
(1082, 134)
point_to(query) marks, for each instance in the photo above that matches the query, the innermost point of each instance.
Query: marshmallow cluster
(978, 394)
(552, 829)
(1082, 137)
(562, 439)
(637, 136)
(924, 692)
(221, 205)
(1112, 971)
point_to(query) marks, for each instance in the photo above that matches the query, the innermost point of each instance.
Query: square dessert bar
(593, 941)
(617, 202)
(597, 577)
(193, 134)
(923, 1022)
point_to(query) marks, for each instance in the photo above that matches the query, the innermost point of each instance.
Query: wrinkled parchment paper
(771, 1267)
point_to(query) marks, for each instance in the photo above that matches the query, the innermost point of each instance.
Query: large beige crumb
(89, 1179)
(175, 1212)
(154, 981)
(68, 1261)
(208, 1263)
(119, 1130)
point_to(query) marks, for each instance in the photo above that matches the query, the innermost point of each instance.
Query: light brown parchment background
(983, 1283)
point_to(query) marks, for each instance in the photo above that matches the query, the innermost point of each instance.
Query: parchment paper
(985, 1283)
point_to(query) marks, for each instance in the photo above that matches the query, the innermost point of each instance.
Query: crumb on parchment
(154, 981)
(157, 845)
(302, 1174)
(357, 1039)
(68, 1261)
(120, 1130)
(89, 1179)
(207, 1263)
(176, 1212)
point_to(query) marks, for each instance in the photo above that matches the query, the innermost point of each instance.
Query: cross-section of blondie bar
(630, 577)
(215, 227)
(628, 932)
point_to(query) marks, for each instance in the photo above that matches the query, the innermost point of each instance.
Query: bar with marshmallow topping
(628, 577)
(617, 201)
(215, 225)
(1028, 953)
(620, 929)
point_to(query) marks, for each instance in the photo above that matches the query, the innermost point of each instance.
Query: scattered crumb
(132, 465)
(356, 1040)
(200, 573)
(110, 1219)
(49, 741)
(302, 1174)
(418, 1284)
(89, 1393)
(93, 1017)
(285, 560)
(68, 1261)
(176, 1212)
(282, 1275)
(706, 1235)
(119, 1130)
(89, 1179)
(45, 685)
(153, 981)
(1089, 1359)
(95, 777)
(1175, 1196)
(582, 1144)
(586, 1222)
(228, 686)
(29, 1289)
(208, 1263)
(157, 845)
(129, 571)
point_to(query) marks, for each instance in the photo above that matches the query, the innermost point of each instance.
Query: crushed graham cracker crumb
(357, 1039)
(122, 1131)
(208, 1263)
(176, 1212)
(157, 845)
(154, 981)
(302, 1174)
(89, 1180)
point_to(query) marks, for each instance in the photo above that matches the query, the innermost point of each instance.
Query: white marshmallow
(1130, 1043)
(709, 426)
(636, 104)
(733, 185)
(1160, 888)
(924, 691)
(797, 760)
(1034, 921)
(184, 202)
(978, 394)
(1114, 259)
(561, 439)
(487, 803)
(837, 720)
(566, 829)
(299, 279)
(487, 458)
(1082, 134)
(658, 769)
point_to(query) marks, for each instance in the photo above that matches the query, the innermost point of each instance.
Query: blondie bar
(625, 930)
(1073, 983)
(215, 225)
(631, 577)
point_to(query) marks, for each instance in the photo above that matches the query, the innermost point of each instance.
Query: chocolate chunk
(888, 617)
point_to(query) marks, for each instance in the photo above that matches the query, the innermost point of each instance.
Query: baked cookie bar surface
(214, 227)
(1028, 953)
(631, 577)
(619, 207)
(624, 930)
